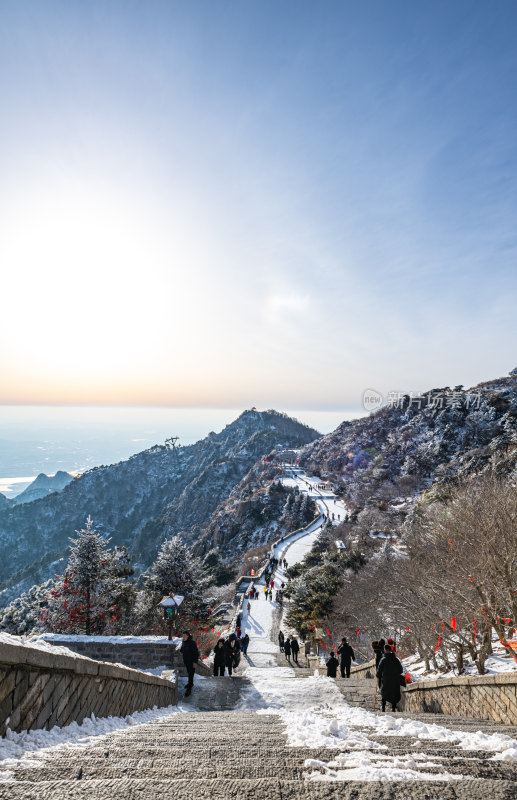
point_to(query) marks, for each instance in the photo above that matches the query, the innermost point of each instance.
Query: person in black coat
(244, 644)
(232, 650)
(287, 649)
(190, 655)
(346, 655)
(281, 641)
(388, 674)
(378, 651)
(332, 665)
(219, 658)
(295, 648)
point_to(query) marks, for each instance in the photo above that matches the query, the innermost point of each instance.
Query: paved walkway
(275, 732)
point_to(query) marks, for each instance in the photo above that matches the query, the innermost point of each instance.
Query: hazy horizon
(74, 439)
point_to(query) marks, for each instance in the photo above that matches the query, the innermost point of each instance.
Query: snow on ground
(495, 664)
(36, 644)
(63, 637)
(316, 714)
(327, 501)
(26, 748)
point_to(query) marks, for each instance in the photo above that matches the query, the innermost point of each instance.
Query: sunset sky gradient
(227, 204)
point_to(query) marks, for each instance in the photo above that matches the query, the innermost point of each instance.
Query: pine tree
(175, 570)
(296, 514)
(307, 510)
(85, 600)
(287, 510)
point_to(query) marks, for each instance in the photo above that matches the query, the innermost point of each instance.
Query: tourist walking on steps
(332, 665)
(281, 641)
(377, 651)
(287, 649)
(244, 643)
(190, 655)
(389, 673)
(232, 650)
(219, 658)
(248, 606)
(295, 648)
(346, 655)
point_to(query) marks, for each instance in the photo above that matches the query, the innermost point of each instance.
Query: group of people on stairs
(289, 647)
(227, 653)
(346, 656)
(389, 672)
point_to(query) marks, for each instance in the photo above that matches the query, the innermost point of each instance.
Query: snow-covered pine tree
(296, 514)
(175, 570)
(288, 505)
(86, 599)
(307, 510)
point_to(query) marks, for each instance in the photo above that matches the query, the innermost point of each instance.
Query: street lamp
(170, 605)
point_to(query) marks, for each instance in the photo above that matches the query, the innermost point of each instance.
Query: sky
(226, 204)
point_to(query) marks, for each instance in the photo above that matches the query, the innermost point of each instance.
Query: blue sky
(238, 203)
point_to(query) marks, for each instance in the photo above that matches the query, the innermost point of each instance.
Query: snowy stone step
(132, 787)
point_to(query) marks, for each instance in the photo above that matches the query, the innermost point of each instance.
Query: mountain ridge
(140, 501)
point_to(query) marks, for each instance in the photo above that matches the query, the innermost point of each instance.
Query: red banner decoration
(438, 643)
(453, 623)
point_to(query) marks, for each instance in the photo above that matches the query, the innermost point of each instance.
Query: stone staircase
(236, 755)
(356, 691)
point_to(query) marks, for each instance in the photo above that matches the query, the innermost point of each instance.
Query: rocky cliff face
(139, 501)
(438, 437)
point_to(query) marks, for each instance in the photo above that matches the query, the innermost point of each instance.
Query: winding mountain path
(276, 732)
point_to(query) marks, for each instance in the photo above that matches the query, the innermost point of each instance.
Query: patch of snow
(26, 748)
(63, 637)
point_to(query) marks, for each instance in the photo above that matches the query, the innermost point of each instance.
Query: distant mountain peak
(44, 485)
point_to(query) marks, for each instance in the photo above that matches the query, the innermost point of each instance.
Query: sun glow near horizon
(103, 292)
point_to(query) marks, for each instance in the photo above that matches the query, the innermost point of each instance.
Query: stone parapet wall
(366, 670)
(491, 697)
(140, 655)
(40, 689)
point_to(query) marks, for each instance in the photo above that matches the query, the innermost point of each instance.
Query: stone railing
(366, 670)
(139, 655)
(40, 689)
(491, 697)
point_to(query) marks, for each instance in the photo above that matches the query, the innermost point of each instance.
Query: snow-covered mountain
(216, 493)
(44, 485)
(138, 502)
(384, 463)
(415, 442)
